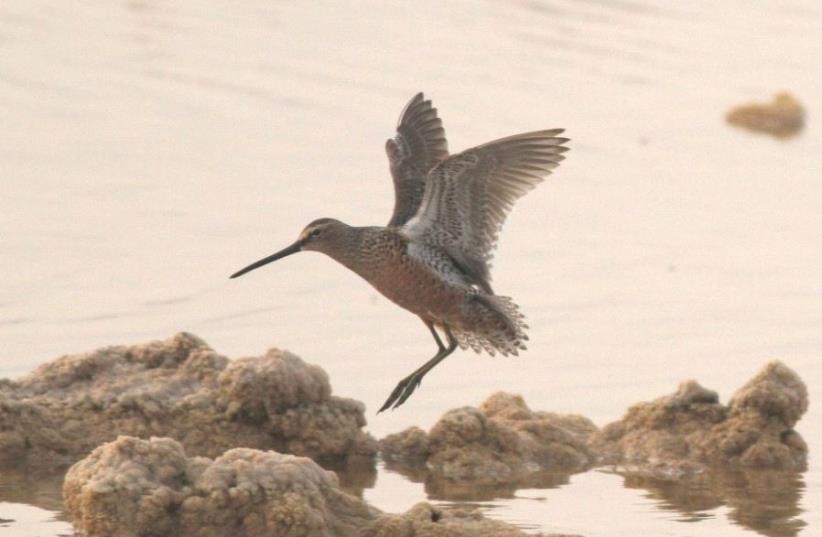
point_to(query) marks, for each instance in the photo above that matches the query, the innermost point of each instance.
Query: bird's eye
(314, 233)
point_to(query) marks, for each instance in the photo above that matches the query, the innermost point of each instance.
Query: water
(150, 149)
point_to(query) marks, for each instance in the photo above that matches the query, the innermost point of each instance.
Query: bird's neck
(353, 249)
(346, 249)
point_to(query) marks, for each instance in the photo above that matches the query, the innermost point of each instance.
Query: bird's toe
(398, 395)
(408, 389)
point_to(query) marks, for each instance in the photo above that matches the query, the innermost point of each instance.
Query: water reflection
(452, 491)
(27, 485)
(355, 475)
(764, 501)
(767, 502)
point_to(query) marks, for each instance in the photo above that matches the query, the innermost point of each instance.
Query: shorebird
(434, 256)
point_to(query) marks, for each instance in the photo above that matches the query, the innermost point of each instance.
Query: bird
(433, 258)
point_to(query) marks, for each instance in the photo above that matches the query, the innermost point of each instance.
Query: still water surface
(149, 149)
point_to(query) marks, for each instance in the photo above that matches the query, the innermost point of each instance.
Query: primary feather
(418, 146)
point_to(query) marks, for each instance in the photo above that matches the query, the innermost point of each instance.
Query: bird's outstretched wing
(419, 145)
(468, 195)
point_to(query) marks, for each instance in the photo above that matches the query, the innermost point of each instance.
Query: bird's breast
(415, 277)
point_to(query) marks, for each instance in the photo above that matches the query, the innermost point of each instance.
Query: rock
(134, 487)
(775, 393)
(179, 388)
(138, 488)
(410, 445)
(689, 431)
(783, 117)
(503, 441)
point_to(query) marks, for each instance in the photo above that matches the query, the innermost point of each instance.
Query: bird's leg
(410, 383)
(433, 330)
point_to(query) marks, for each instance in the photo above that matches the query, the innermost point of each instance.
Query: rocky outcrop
(503, 445)
(179, 388)
(502, 441)
(137, 488)
(689, 431)
(783, 117)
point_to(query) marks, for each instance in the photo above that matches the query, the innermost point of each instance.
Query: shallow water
(149, 150)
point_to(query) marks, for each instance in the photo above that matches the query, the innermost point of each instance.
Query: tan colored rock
(179, 388)
(776, 393)
(782, 117)
(410, 445)
(690, 430)
(133, 487)
(503, 441)
(138, 488)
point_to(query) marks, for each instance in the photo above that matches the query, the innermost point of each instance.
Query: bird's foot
(402, 392)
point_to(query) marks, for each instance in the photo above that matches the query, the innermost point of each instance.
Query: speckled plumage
(433, 258)
(424, 280)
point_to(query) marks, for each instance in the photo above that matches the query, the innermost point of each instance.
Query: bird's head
(321, 235)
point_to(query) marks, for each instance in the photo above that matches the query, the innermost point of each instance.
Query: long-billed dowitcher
(433, 258)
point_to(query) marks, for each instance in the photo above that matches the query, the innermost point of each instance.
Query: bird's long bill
(293, 249)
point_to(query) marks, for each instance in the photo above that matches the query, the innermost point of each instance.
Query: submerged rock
(502, 441)
(133, 488)
(782, 117)
(689, 431)
(179, 388)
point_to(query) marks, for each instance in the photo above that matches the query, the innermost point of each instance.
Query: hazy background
(149, 149)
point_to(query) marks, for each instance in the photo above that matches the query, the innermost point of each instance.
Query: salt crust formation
(783, 117)
(182, 388)
(138, 488)
(179, 388)
(505, 443)
(501, 441)
(690, 431)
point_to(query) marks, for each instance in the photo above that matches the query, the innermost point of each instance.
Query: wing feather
(468, 196)
(418, 146)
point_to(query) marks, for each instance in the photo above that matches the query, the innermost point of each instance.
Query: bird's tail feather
(498, 326)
